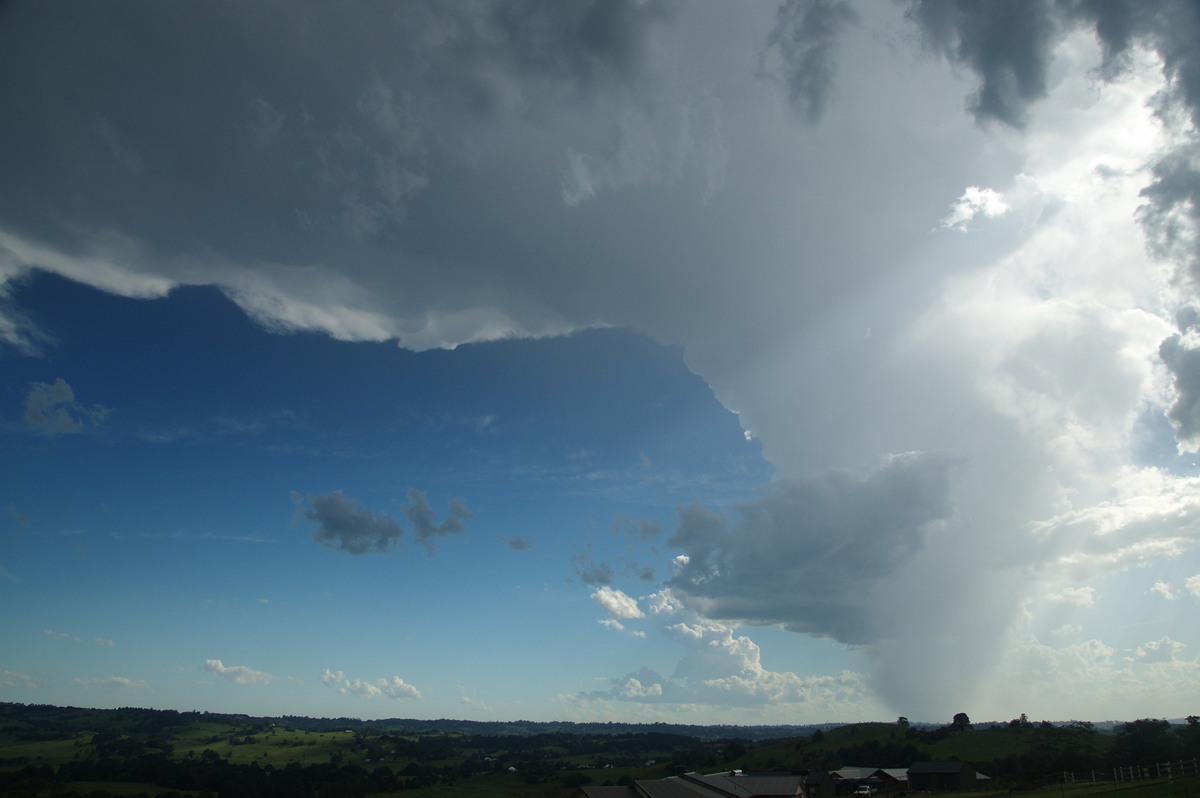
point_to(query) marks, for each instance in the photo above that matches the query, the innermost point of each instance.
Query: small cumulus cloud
(720, 667)
(1192, 585)
(61, 635)
(616, 603)
(1163, 589)
(53, 410)
(347, 526)
(238, 674)
(103, 642)
(423, 519)
(113, 684)
(1079, 596)
(516, 542)
(975, 201)
(634, 689)
(394, 688)
(1162, 650)
(10, 679)
(612, 623)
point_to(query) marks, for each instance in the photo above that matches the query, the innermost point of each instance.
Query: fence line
(1162, 770)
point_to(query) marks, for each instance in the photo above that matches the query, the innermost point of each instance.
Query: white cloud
(721, 668)
(612, 623)
(634, 689)
(394, 688)
(61, 635)
(116, 684)
(475, 704)
(238, 674)
(14, 679)
(1163, 589)
(1162, 650)
(1192, 585)
(1079, 596)
(975, 201)
(616, 603)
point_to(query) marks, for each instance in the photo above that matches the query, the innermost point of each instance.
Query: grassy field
(478, 765)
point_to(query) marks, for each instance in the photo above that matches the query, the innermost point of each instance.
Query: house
(877, 778)
(819, 784)
(714, 785)
(941, 776)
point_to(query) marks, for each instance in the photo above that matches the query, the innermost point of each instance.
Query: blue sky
(698, 362)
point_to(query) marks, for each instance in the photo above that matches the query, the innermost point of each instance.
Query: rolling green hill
(130, 752)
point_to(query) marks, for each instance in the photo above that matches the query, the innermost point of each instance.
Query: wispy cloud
(516, 542)
(11, 679)
(114, 684)
(238, 674)
(52, 408)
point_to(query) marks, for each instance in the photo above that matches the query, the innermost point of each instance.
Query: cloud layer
(940, 257)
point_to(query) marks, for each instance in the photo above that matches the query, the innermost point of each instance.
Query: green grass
(121, 788)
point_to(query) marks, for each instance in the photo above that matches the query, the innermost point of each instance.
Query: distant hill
(72, 746)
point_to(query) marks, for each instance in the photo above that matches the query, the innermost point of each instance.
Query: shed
(819, 784)
(941, 776)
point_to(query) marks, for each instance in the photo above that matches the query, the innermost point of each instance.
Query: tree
(961, 722)
(1145, 741)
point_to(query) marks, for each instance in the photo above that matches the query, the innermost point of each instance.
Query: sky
(634, 360)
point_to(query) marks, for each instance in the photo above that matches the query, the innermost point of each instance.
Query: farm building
(715, 785)
(941, 776)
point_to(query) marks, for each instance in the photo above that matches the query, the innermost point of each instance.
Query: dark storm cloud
(321, 137)
(1184, 363)
(809, 553)
(424, 520)
(346, 525)
(801, 48)
(1008, 44)
(585, 43)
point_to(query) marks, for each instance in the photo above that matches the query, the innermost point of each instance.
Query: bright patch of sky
(697, 362)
